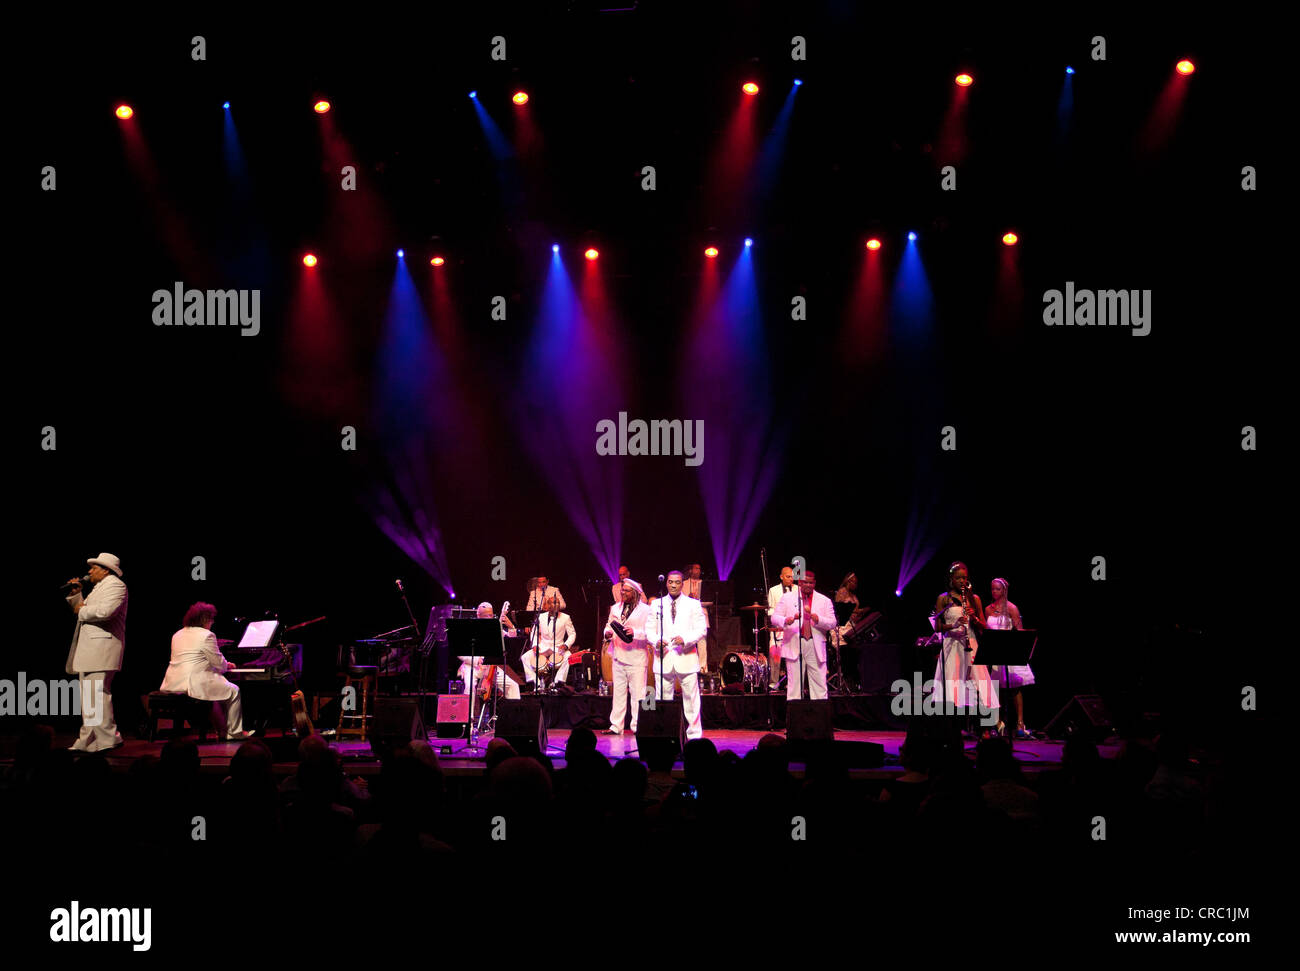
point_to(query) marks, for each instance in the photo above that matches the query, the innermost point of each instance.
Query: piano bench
(179, 708)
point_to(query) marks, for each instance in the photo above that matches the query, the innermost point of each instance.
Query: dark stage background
(178, 442)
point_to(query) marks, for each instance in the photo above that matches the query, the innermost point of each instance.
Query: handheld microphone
(68, 587)
(399, 586)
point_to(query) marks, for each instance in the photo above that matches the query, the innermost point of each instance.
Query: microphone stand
(663, 592)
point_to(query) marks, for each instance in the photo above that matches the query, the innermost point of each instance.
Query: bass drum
(748, 670)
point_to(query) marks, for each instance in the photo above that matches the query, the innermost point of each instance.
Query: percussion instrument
(747, 670)
(752, 609)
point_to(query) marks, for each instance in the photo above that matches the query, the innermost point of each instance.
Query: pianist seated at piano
(197, 666)
(496, 672)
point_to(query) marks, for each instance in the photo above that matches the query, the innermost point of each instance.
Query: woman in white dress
(958, 613)
(1003, 615)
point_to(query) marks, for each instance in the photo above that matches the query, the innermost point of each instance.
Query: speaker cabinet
(1082, 713)
(664, 724)
(522, 723)
(452, 716)
(397, 721)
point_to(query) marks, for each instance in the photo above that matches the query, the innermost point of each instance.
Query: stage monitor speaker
(397, 721)
(522, 723)
(664, 724)
(808, 728)
(452, 716)
(1082, 713)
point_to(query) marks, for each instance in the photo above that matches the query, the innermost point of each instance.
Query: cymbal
(752, 608)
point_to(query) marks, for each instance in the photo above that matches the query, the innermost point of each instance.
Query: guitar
(302, 725)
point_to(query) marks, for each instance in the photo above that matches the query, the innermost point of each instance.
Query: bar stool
(368, 678)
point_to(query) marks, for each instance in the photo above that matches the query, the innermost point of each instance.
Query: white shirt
(789, 607)
(774, 596)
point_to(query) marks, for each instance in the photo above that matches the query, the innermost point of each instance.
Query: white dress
(1018, 675)
(954, 672)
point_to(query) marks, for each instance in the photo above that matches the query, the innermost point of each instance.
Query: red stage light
(711, 252)
(124, 112)
(321, 107)
(749, 87)
(592, 253)
(1010, 239)
(1185, 67)
(520, 98)
(437, 261)
(873, 244)
(309, 260)
(965, 80)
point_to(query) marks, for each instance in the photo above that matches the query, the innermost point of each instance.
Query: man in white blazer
(679, 640)
(96, 653)
(630, 658)
(805, 637)
(552, 638)
(541, 593)
(197, 666)
(774, 596)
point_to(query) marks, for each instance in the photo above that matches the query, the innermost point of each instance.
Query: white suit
(681, 662)
(813, 649)
(556, 636)
(98, 644)
(629, 663)
(774, 596)
(196, 668)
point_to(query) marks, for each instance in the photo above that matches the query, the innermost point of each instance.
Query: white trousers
(813, 669)
(690, 699)
(232, 713)
(98, 727)
(627, 677)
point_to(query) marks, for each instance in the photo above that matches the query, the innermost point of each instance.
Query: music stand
(1006, 647)
(477, 638)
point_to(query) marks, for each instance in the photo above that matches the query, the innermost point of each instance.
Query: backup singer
(805, 637)
(693, 587)
(679, 640)
(96, 653)
(539, 594)
(630, 659)
(552, 638)
(774, 596)
(962, 683)
(616, 591)
(197, 666)
(1002, 614)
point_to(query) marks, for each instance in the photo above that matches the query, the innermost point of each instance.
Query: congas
(607, 664)
(748, 670)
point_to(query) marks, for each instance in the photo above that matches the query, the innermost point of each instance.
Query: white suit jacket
(774, 595)
(100, 637)
(196, 665)
(690, 626)
(633, 653)
(536, 599)
(564, 632)
(789, 607)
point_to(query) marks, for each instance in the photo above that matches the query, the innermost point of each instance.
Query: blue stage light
(1069, 70)
(797, 82)
(401, 254)
(225, 104)
(912, 237)
(748, 241)
(473, 94)
(555, 247)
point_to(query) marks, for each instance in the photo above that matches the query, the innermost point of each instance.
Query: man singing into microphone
(678, 640)
(96, 653)
(804, 617)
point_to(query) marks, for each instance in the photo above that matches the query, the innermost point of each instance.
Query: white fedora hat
(108, 561)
